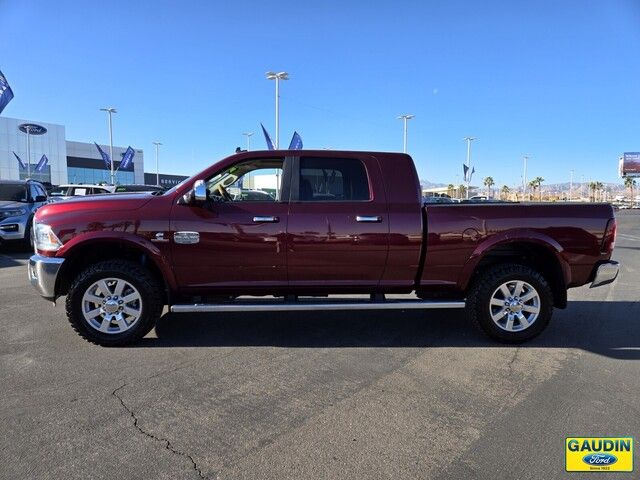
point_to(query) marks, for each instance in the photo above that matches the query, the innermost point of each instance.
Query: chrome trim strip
(605, 273)
(265, 219)
(278, 306)
(368, 219)
(186, 238)
(43, 272)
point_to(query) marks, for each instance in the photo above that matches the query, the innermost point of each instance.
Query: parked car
(64, 192)
(254, 195)
(432, 199)
(138, 188)
(344, 223)
(19, 199)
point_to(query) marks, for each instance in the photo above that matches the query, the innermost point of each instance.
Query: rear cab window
(333, 180)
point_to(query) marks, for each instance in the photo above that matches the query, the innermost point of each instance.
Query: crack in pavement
(167, 442)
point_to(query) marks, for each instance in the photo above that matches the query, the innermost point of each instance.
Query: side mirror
(199, 191)
(40, 199)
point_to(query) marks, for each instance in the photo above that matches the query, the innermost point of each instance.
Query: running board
(298, 306)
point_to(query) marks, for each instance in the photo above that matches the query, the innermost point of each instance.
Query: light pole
(157, 144)
(110, 111)
(404, 119)
(28, 131)
(571, 186)
(524, 178)
(248, 135)
(468, 176)
(277, 77)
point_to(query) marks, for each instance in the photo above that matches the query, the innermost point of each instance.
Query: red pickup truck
(335, 224)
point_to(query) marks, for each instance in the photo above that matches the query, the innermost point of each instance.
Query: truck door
(338, 228)
(237, 239)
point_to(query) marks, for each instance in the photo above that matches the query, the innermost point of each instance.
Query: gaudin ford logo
(600, 459)
(599, 454)
(32, 129)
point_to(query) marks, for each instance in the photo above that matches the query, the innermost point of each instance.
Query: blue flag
(465, 169)
(296, 142)
(127, 158)
(22, 165)
(104, 155)
(42, 163)
(6, 94)
(267, 138)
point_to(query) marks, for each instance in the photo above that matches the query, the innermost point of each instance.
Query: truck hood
(112, 202)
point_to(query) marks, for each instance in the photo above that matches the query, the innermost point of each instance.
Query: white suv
(62, 192)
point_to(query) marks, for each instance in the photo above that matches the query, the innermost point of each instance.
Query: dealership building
(68, 161)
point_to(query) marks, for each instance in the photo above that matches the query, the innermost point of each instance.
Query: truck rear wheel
(511, 303)
(114, 303)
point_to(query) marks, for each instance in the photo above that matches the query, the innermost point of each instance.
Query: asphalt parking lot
(316, 395)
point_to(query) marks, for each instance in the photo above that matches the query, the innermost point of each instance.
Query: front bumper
(13, 228)
(605, 273)
(43, 272)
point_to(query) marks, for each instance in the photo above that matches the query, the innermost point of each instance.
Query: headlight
(12, 213)
(45, 239)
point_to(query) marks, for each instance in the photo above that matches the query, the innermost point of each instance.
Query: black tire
(27, 241)
(482, 290)
(147, 285)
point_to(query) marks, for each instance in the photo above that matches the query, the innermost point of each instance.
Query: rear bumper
(43, 273)
(605, 273)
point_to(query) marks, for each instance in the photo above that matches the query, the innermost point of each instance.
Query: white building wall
(52, 144)
(55, 146)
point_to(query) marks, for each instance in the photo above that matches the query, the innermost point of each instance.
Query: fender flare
(137, 242)
(513, 236)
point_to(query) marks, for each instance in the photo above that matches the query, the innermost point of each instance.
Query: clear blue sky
(559, 80)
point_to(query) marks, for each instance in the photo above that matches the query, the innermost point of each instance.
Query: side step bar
(302, 305)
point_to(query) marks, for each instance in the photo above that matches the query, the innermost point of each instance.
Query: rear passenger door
(338, 225)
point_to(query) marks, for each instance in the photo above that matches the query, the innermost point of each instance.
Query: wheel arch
(539, 252)
(89, 251)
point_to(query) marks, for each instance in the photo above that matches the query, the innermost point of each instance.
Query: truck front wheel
(511, 303)
(114, 303)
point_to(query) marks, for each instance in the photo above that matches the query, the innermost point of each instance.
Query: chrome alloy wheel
(112, 305)
(514, 306)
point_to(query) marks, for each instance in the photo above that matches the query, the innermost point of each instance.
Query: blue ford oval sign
(599, 459)
(32, 129)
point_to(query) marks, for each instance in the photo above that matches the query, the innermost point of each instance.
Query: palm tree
(533, 186)
(599, 187)
(488, 182)
(505, 192)
(593, 186)
(536, 183)
(462, 191)
(451, 189)
(629, 183)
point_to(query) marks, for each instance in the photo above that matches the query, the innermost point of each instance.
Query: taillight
(609, 239)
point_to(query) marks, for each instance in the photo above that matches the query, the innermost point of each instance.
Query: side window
(99, 191)
(79, 191)
(40, 191)
(252, 181)
(333, 180)
(33, 192)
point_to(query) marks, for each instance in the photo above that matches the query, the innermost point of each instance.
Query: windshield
(13, 193)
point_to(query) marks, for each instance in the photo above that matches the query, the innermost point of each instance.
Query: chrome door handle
(369, 219)
(265, 219)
